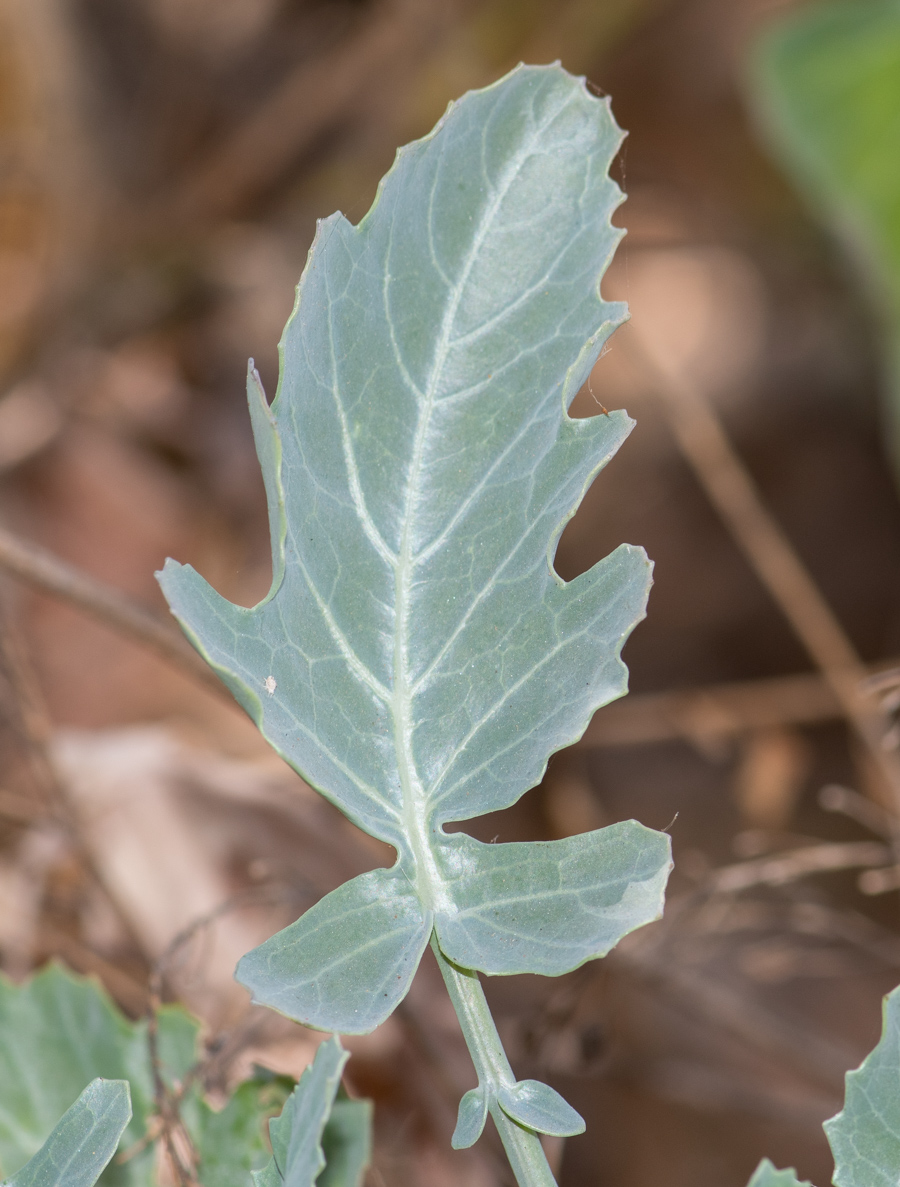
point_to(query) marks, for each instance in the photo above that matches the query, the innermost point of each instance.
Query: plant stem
(523, 1146)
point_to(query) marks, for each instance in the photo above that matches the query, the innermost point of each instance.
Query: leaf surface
(82, 1143)
(766, 1175)
(548, 906)
(539, 1107)
(320, 1138)
(417, 658)
(346, 1143)
(865, 1135)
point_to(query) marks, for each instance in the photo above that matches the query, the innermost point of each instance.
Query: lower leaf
(865, 1135)
(346, 1143)
(473, 1111)
(346, 964)
(321, 1138)
(549, 906)
(83, 1142)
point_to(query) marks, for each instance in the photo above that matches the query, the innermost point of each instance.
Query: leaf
(347, 1143)
(349, 960)
(766, 1175)
(417, 658)
(60, 1031)
(83, 1142)
(470, 1121)
(315, 1126)
(825, 82)
(539, 1107)
(231, 1142)
(865, 1135)
(548, 906)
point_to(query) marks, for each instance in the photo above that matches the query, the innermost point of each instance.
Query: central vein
(420, 833)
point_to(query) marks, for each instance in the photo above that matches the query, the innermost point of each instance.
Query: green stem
(523, 1146)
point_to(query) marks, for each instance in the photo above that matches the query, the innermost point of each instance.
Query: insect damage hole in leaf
(420, 465)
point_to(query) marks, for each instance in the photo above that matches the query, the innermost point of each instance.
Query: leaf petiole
(523, 1146)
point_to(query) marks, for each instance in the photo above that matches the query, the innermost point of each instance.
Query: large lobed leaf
(826, 84)
(417, 658)
(865, 1135)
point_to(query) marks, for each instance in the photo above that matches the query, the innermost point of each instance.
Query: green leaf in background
(865, 1135)
(232, 1142)
(61, 1031)
(825, 82)
(346, 1143)
(417, 658)
(83, 1142)
(766, 1175)
(319, 1139)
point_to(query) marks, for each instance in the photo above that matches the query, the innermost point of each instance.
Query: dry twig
(716, 712)
(311, 97)
(732, 491)
(797, 863)
(109, 606)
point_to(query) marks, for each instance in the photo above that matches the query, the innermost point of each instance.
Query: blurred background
(162, 165)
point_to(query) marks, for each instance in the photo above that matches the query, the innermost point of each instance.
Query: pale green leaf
(315, 1126)
(766, 1175)
(548, 906)
(826, 84)
(348, 961)
(268, 1176)
(865, 1135)
(539, 1107)
(347, 1143)
(417, 658)
(84, 1140)
(471, 1118)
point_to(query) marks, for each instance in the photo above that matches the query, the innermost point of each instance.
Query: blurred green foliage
(825, 82)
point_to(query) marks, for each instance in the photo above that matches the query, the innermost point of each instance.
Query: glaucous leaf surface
(83, 1142)
(320, 1138)
(417, 658)
(539, 1107)
(766, 1175)
(826, 84)
(865, 1135)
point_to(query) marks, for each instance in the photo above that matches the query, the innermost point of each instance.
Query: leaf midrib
(429, 881)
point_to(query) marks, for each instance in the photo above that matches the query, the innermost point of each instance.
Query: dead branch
(730, 488)
(312, 96)
(715, 712)
(111, 607)
(798, 863)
